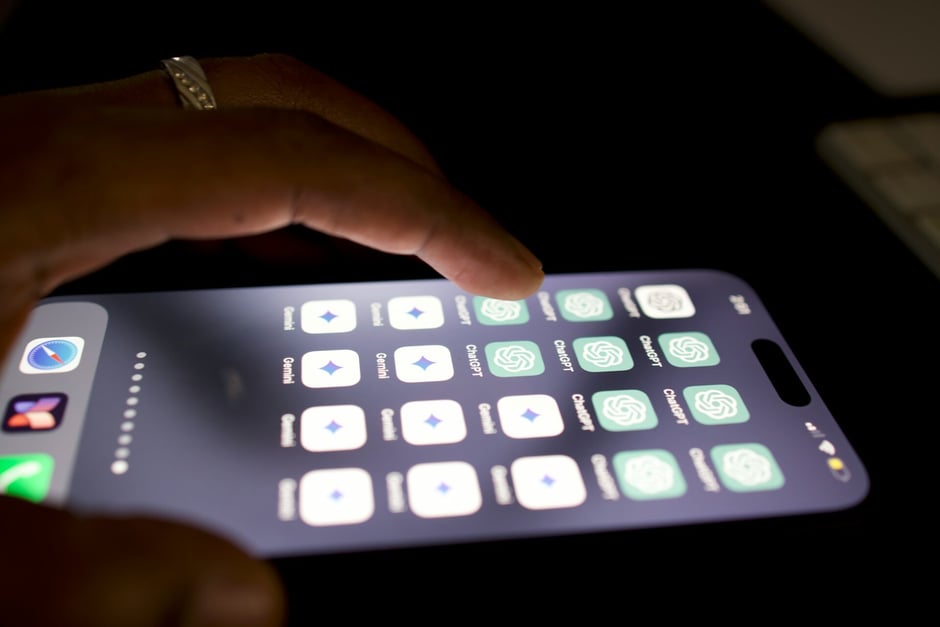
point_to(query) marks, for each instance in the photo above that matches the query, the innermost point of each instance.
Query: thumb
(63, 569)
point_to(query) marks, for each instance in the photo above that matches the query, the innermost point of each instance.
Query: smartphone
(331, 418)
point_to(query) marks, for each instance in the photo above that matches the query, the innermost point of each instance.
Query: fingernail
(235, 602)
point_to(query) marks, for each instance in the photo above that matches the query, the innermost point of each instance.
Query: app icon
(514, 359)
(492, 311)
(624, 410)
(443, 489)
(419, 364)
(530, 416)
(433, 422)
(330, 369)
(688, 350)
(715, 404)
(333, 428)
(26, 476)
(336, 496)
(602, 354)
(415, 312)
(34, 412)
(52, 354)
(548, 482)
(586, 305)
(747, 467)
(328, 316)
(648, 474)
(664, 301)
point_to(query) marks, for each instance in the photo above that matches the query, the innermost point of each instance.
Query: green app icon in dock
(26, 476)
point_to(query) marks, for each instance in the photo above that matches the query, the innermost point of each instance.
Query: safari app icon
(52, 355)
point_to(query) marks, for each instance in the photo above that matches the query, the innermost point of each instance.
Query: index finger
(139, 170)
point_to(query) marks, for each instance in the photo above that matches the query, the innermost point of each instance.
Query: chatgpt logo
(602, 354)
(716, 404)
(688, 350)
(514, 359)
(586, 305)
(492, 311)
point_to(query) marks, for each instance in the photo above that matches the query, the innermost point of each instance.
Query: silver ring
(190, 81)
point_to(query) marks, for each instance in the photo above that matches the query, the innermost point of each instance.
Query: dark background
(673, 135)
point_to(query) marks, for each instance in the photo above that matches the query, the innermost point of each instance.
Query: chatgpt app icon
(602, 354)
(519, 358)
(624, 410)
(664, 301)
(716, 404)
(748, 467)
(587, 305)
(688, 350)
(649, 474)
(493, 311)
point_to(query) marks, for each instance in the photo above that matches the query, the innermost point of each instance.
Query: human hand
(108, 169)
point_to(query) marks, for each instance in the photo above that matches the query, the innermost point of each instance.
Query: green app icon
(715, 404)
(688, 350)
(748, 467)
(26, 476)
(602, 354)
(492, 311)
(514, 359)
(585, 305)
(649, 474)
(624, 410)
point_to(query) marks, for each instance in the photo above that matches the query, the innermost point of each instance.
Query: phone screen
(315, 419)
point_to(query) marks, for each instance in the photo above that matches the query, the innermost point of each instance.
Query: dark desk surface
(678, 135)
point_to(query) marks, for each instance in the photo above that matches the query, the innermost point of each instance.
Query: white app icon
(52, 355)
(664, 301)
(328, 316)
(418, 364)
(433, 422)
(415, 312)
(443, 489)
(548, 482)
(336, 496)
(330, 369)
(333, 428)
(530, 416)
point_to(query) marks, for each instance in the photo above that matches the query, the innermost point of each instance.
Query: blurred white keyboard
(894, 164)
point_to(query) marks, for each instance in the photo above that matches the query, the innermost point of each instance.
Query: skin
(108, 169)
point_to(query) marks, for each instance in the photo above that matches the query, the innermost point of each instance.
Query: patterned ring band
(190, 81)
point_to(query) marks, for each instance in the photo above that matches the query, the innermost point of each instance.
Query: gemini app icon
(415, 312)
(336, 496)
(333, 428)
(433, 422)
(328, 316)
(548, 482)
(420, 364)
(330, 369)
(443, 489)
(530, 416)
